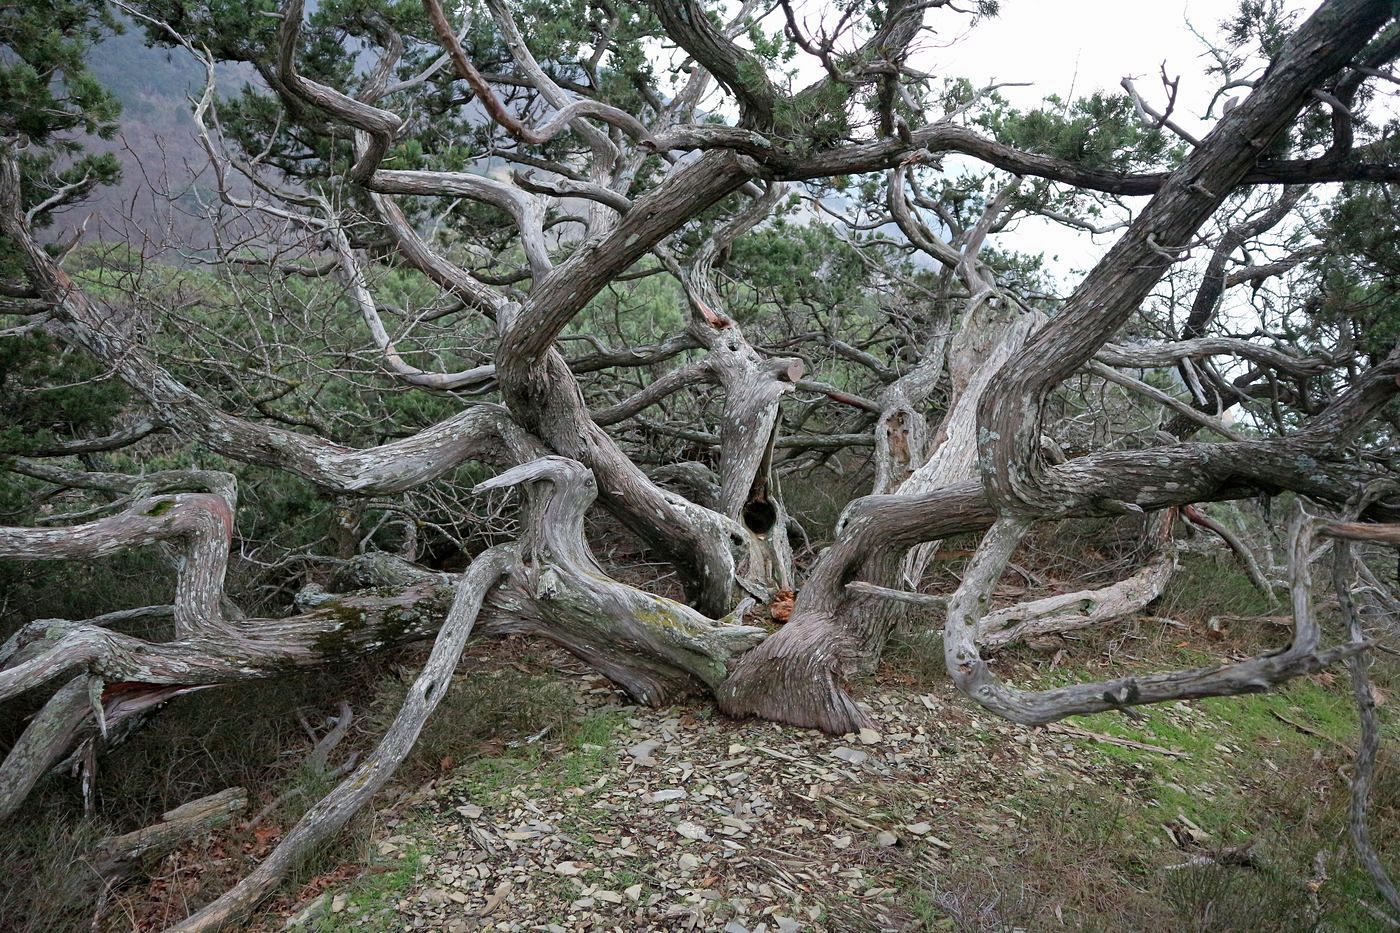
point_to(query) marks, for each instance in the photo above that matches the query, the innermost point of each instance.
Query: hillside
(549, 802)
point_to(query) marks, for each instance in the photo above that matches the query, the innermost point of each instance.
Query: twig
(902, 596)
(1064, 729)
(1309, 730)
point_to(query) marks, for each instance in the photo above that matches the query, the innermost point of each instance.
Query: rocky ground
(676, 819)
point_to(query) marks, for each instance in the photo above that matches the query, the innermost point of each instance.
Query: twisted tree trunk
(654, 648)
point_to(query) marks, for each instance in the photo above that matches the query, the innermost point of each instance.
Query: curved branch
(124, 437)
(675, 380)
(201, 522)
(1009, 418)
(379, 126)
(1035, 707)
(1170, 353)
(688, 24)
(333, 811)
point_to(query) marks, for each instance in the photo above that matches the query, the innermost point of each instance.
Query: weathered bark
(907, 462)
(754, 386)
(798, 674)
(972, 675)
(731, 536)
(50, 734)
(327, 817)
(202, 523)
(816, 647)
(123, 676)
(654, 648)
(1009, 419)
(545, 397)
(1358, 824)
(119, 858)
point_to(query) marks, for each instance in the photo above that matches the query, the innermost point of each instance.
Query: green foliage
(232, 30)
(45, 86)
(48, 94)
(1098, 132)
(1257, 27)
(790, 264)
(48, 395)
(1358, 277)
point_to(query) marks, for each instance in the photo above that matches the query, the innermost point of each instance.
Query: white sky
(1085, 45)
(1072, 49)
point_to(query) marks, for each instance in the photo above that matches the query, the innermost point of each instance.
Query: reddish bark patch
(781, 607)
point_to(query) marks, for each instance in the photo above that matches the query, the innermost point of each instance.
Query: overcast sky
(1078, 46)
(1071, 48)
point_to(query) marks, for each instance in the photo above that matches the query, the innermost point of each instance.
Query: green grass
(1260, 769)
(376, 891)
(1263, 770)
(1206, 586)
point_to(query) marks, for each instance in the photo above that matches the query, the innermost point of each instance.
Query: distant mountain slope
(160, 156)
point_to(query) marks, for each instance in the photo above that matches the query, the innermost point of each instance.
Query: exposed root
(795, 677)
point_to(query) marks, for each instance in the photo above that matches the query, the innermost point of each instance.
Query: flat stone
(852, 756)
(691, 831)
(672, 793)
(644, 749)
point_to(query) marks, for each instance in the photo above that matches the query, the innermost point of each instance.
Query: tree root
(654, 648)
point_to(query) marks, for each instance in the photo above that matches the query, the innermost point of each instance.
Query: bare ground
(1201, 816)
